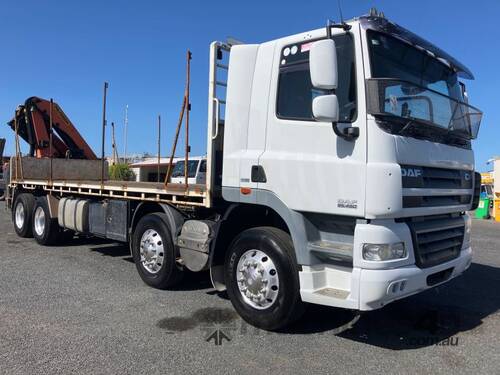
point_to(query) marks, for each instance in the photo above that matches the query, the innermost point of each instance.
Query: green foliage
(121, 172)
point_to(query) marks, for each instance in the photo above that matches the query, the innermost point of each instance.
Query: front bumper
(380, 287)
(370, 289)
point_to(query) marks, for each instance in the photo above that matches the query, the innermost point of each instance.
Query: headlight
(381, 252)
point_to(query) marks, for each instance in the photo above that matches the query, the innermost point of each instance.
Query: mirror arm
(349, 134)
(344, 26)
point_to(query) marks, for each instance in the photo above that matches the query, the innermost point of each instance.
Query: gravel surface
(82, 308)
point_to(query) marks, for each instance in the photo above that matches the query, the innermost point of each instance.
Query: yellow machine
(487, 178)
(493, 179)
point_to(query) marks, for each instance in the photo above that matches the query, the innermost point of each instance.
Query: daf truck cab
(358, 138)
(339, 171)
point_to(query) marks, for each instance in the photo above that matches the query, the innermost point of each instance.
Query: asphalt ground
(82, 308)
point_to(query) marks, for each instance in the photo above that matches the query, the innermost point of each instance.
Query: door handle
(258, 174)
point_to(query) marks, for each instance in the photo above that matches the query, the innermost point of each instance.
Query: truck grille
(435, 178)
(436, 239)
(416, 177)
(435, 200)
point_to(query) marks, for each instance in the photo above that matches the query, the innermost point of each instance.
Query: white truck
(339, 172)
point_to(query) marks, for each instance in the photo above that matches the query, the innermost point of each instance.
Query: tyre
(154, 252)
(22, 214)
(262, 278)
(46, 230)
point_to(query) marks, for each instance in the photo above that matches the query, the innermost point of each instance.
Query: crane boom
(33, 120)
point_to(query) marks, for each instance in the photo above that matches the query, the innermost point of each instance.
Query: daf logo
(411, 172)
(467, 176)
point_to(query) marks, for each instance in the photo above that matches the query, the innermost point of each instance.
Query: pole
(159, 151)
(185, 108)
(50, 139)
(125, 135)
(188, 108)
(17, 146)
(179, 123)
(113, 144)
(103, 132)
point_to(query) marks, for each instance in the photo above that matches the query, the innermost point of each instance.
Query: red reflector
(245, 190)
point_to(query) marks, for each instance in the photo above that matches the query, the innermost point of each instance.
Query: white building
(147, 169)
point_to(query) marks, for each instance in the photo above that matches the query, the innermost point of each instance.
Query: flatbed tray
(179, 194)
(84, 177)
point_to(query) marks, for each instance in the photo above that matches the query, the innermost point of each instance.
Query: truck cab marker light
(245, 191)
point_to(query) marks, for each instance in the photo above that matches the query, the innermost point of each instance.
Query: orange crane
(33, 121)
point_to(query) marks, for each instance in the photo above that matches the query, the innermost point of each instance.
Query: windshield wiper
(420, 131)
(406, 127)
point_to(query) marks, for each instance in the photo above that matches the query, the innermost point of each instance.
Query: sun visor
(385, 26)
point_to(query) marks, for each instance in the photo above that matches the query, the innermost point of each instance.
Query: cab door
(307, 166)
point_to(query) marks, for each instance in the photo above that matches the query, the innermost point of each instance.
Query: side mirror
(326, 108)
(323, 64)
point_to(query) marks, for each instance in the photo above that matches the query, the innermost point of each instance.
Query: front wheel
(154, 252)
(262, 278)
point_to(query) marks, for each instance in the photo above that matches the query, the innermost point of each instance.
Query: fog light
(381, 252)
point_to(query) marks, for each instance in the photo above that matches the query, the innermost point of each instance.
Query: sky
(66, 49)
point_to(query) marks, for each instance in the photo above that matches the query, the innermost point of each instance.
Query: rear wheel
(46, 230)
(262, 278)
(22, 213)
(154, 252)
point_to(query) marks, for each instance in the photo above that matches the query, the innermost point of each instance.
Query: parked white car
(197, 171)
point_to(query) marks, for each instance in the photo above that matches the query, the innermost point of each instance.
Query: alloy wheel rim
(39, 221)
(151, 251)
(19, 215)
(257, 278)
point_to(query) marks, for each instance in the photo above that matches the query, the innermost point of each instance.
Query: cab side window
(295, 91)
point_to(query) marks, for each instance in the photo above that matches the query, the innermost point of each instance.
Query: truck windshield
(179, 168)
(417, 94)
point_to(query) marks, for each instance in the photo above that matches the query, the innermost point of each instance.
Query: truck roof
(383, 25)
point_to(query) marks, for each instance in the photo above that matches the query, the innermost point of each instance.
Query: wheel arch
(174, 217)
(18, 190)
(237, 218)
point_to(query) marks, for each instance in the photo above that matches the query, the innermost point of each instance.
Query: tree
(120, 172)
